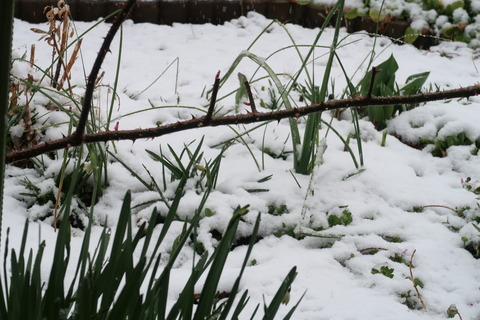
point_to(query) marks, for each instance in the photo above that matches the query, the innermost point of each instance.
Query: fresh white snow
(383, 197)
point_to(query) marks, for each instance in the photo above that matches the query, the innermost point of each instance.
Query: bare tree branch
(76, 137)
(239, 119)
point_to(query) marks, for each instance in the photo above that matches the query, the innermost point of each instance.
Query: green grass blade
(345, 143)
(310, 137)
(209, 291)
(132, 172)
(54, 300)
(290, 313)
(236, 285)
(115, 82)
(184, 304)
(272, 309)
(176, 172)
(118, 264)
(123, 308)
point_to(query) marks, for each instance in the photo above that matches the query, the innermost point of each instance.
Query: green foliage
(441, 146)
(272, 104)
(384, 270)
(400, 258)
(384, 84)
(115, 285)
(353, 13)
(277, 210)
(411, 35)
(450, 28)
(471, 186)
(411, 301)
(287, 230)
(344, 218)
(418, 283)
(452, 311)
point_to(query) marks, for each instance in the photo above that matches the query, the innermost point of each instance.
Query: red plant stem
(213, 100)
(250, 97)
(372, 81)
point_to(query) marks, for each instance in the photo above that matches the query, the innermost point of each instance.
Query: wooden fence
(213, 11)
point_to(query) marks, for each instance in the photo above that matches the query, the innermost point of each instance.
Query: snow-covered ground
(385, 197)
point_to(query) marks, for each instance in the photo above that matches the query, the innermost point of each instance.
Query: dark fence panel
(213, 11)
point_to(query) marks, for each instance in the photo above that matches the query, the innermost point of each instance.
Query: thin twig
(213, 100)
(76, 138)
(250, 97)
(32, 55)
(105, 136)
(370, 250)
(372, 81)
(413, 281)
(439, 206)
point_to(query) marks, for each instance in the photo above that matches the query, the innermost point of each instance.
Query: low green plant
(410, 300)
(343, 218)
(384, 84)
(384, 270)
(445, 25)
(439, 146)
(112, 284)
(277, 210)
(452, 311)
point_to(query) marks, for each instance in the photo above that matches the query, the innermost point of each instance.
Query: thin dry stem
(68, 68)
(372, 81)
(32, 55)
(250, 97)
(413, 281)
(440, 206)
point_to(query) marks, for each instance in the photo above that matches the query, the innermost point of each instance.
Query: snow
(383, 197)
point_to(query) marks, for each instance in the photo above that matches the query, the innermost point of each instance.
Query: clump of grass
(105, 282)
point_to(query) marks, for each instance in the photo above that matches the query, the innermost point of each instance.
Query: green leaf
(376, 16)
(418, 282)
(453, 6)
(414, 83)
(209, 212)
(352, 14)
(209, 291)
(345, 218)
(383, 85)
(241, 92)
(272, 309)
(411, 35)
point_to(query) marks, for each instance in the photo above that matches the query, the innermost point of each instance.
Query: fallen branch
(79, 137)
(278, 115)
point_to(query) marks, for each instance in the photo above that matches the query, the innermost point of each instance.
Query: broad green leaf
(241, 92)
(414, 83)
(352, 14)
(411, 35)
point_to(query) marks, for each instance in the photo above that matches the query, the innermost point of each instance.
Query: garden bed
(218, 12)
